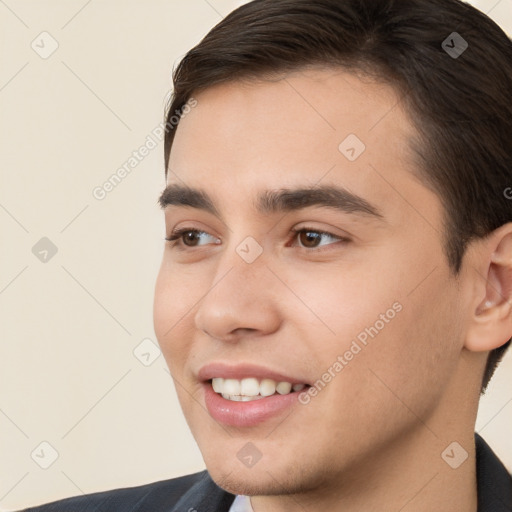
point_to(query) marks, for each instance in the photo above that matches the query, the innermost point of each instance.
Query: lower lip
(246, 414)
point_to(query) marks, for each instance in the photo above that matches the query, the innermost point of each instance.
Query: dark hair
(462, 102)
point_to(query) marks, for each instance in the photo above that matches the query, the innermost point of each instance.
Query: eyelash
(176, 235)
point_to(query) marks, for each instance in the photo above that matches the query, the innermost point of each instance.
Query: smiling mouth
(251, 388)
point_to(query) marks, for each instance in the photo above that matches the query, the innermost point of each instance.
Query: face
(307, 259)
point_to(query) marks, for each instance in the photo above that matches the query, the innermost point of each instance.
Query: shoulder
(150, 497)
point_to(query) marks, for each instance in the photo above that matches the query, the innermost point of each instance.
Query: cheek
(414, 355)
(177, 289)
(381, 320)
(174, 299)
(341, 302)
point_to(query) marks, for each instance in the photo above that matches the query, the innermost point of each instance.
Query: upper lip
(242, 371)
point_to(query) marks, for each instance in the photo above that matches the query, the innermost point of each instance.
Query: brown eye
(190, 238)
(309, 239)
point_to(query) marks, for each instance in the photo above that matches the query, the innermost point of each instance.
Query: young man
(336, 289)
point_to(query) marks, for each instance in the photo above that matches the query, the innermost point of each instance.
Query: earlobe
(491, 321)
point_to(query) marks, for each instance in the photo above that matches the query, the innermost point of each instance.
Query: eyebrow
(181, 195)
(276, 201)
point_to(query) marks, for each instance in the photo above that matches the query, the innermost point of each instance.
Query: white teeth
(283, 388)
(250, 388)
(217, 384)
(231, 387)
(267, 387)
(241, 398)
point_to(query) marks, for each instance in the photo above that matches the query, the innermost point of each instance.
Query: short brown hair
(461, 104)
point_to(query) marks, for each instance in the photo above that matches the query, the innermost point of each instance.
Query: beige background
(69, 327)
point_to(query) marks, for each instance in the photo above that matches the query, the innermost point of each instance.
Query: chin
(266, 477)
(249, 483)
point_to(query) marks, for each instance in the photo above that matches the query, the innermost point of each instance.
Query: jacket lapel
(494, 481)
(205, 496)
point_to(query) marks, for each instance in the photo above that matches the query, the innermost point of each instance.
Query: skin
(372, 438)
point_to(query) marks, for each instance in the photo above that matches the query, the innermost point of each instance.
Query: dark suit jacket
(199, 493)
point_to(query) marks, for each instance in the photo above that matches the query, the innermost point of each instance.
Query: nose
(241, 301)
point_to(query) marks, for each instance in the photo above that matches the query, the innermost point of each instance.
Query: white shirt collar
(241, 504)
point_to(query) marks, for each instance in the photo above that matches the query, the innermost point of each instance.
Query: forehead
(299, 130)
(320, 106)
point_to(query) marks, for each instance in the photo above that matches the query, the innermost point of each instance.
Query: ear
(491, 318)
